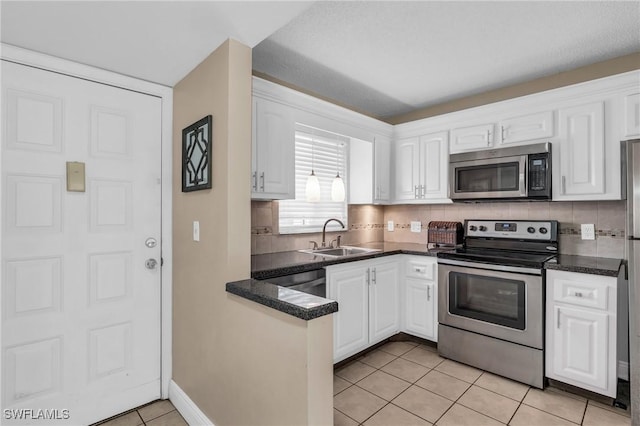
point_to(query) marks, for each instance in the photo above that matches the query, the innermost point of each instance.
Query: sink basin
(340, 251)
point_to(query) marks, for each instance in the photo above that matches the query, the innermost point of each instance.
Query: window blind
(326, 152)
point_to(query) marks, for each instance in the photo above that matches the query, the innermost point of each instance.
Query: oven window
(488, 178)
(494, 300)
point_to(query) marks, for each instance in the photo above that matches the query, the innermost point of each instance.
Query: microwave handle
(522, 179)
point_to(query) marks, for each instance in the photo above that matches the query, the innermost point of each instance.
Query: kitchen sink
(340, 251)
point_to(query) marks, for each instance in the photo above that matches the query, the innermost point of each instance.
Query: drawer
(419, 268)
(582, 290)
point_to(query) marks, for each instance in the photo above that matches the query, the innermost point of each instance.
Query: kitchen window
(328, 153)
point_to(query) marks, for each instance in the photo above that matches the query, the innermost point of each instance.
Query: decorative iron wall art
(196, 156)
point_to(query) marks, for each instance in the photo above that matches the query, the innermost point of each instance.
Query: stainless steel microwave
(514, 173)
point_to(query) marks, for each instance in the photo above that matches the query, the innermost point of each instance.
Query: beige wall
(240, 362)
(590, 72)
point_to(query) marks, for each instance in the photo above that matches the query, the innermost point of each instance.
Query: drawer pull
(428, 293)
(578, 294)
(418, 269)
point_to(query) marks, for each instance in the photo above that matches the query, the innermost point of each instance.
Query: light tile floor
(158, 413)
(405, 383)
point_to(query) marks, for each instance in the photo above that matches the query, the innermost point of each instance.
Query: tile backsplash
(367, 223)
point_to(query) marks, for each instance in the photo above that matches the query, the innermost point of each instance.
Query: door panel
(81, 323)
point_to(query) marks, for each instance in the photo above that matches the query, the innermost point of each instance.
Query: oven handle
(491, 267)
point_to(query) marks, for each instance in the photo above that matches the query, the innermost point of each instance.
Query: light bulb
(313, 188)
(337, 189)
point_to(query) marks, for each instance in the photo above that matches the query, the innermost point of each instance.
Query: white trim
(623, 370)
(50, 63)
(186, 407)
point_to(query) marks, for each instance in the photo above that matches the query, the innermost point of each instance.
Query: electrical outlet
(416, 226)
(196, 230)
(588, 231)
(390, 226)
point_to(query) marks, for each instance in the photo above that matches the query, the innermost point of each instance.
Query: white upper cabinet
(272, 150)
(421, 165)
(382, 170)
(632, 115)
(581, 149)
(360, 175)
(472, 138)
(526, 128)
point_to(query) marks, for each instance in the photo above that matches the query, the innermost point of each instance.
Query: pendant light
(337, 187)
(313, 184)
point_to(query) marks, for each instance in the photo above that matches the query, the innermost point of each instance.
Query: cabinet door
(526, 128)
(582, 154)
(420, 308)
(435, 167)
(632, 115)
(273, 174)
(383, 301)
(472, 138)
(407, 169)
(360, 176)
(382, 170)
(580, 342)
(350, 288)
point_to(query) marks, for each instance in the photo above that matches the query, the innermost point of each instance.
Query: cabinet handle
(558, 317)
(428, 293)
(424, 190)
(262, 181)
(501, 134)
(564, 185)
(488, 137)
(255, 181)
(578, 294)
(374, 276)
(368, 277)
(415, 191)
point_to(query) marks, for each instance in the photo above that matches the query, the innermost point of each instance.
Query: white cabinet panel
(360, 176)
(407, 170)
(383, 301)
(273, 151)
(472, 138)
(580, 346)
(632, 115)
(581, 334)
(382, 170)
(582, 153)
(526, 128)
(435, 167)
(420, 308)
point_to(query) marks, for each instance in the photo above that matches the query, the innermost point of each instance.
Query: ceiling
(382, 58)
(158, 41)
(390, 58)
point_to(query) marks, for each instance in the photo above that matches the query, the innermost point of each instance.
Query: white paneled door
(80, 302)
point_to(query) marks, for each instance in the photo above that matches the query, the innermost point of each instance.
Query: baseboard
(623, 370)
(186, 407)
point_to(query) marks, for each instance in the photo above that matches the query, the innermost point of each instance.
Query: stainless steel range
(491, 297)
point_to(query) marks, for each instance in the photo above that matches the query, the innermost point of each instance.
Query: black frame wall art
(196, 156)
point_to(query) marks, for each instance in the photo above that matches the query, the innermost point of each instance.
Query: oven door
(504, 305)
(489, 178)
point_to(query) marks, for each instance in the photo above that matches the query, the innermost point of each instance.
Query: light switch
(390, 226)
(416, 226)
(588, 231)
(75, 176)
(196, 230)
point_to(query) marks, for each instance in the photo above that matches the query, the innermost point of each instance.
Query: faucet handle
(314, 245)
(338, 241)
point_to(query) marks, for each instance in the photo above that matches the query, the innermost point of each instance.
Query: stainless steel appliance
(514, 173)
(631, 170)
(491, 297)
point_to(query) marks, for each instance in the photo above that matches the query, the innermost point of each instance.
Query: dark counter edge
(243, 289)
(311, 266)
(607, 267)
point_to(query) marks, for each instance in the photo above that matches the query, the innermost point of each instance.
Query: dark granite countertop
(586, 265)
(302, 305)
(265, 266)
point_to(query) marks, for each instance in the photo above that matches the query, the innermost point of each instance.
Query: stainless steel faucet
(324, 229)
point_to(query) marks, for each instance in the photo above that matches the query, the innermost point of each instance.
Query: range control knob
(543, 230)
(483, 228)
(473, 228)
(531, 229)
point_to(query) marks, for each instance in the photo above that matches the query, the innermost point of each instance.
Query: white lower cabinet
(581, 331)
(367, 293)
(420, 297)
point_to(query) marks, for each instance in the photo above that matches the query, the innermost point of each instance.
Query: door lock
(151, 263)
(150, 242)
